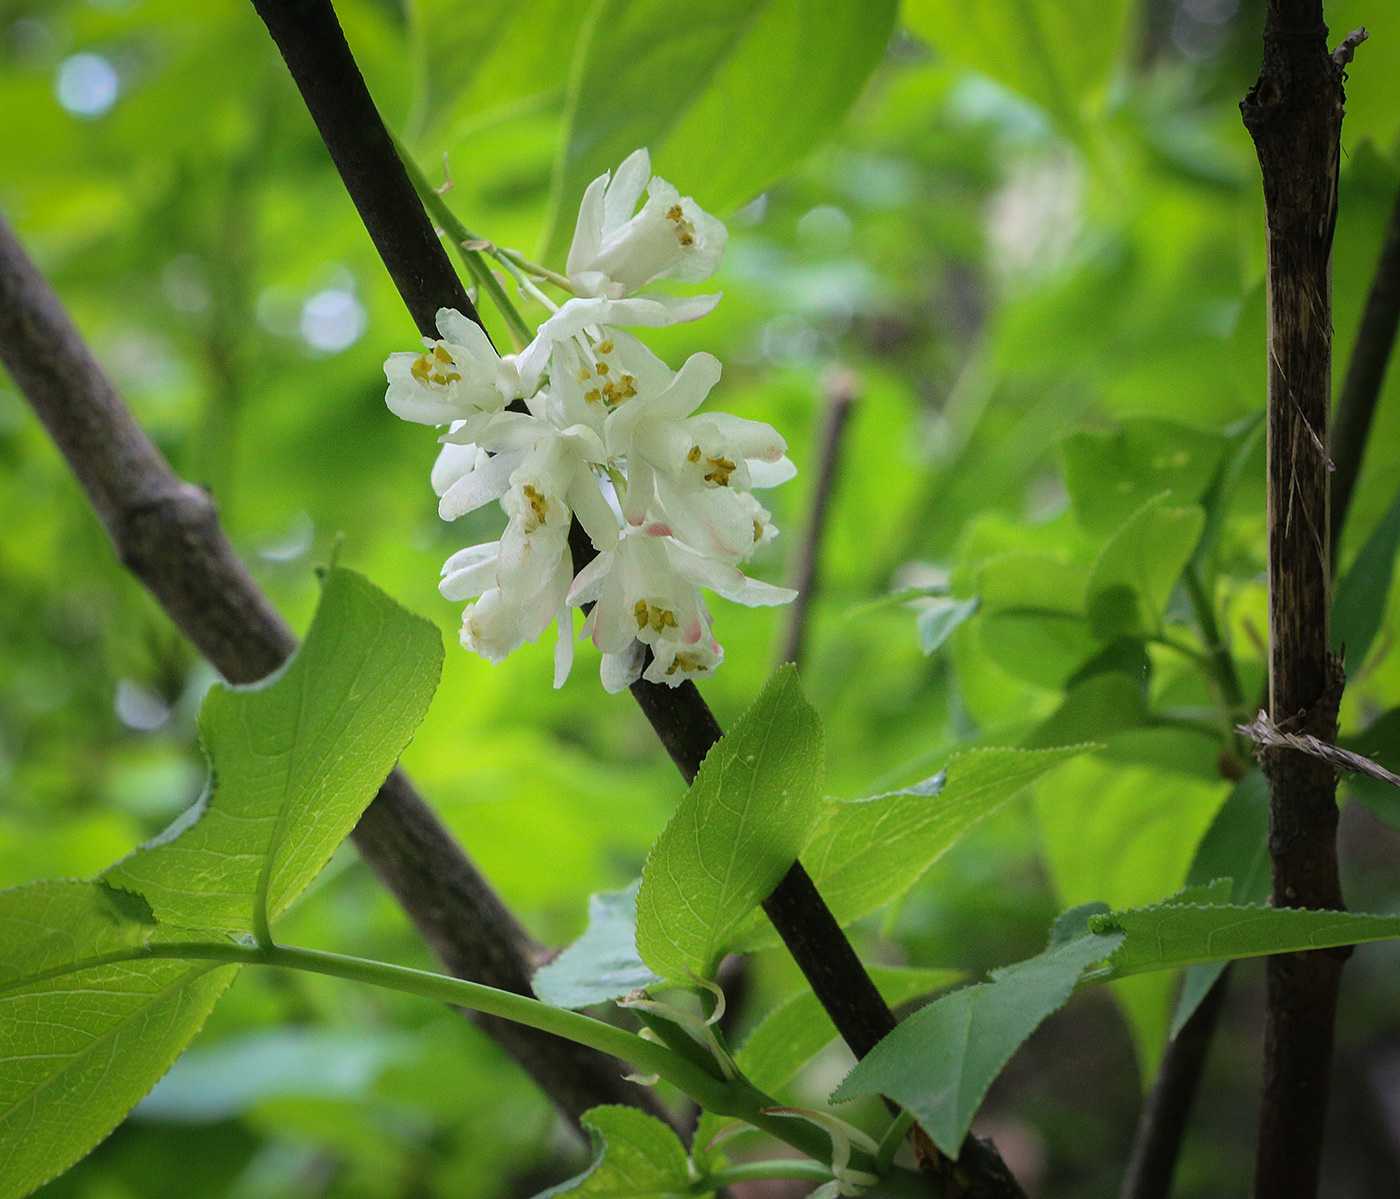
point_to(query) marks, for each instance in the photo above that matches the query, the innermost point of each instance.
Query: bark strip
(167, 533)
(1294, 114)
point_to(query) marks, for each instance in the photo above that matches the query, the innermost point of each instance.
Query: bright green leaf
(602, 964)
(727, 94)
(940, 1061)
(938, 623)
(88, 1030)
(1101, 705)
(736, 833)
(636, 1156)
(1133, 577)
(866, 852)
(295, 760)
(1109, 476)
(1359, 606)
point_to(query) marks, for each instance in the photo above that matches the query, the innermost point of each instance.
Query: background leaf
(727, 94)
(294, 761)
(1359, 606)
(85, 1035)
(736, 833)
(637, 1156)
(1134, 574)
(940, 1061)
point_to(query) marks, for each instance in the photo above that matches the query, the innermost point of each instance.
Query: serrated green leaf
(636, 1156)
(1134, 574)
(774, 75)
(295, 760)
(87, 1030)
(1171, 933)
(940, 1061)
(1235, 847)
(938, 623)
(1109, 476)
(602, 964)
(1359, 606)
(736, 833)
(866, 852)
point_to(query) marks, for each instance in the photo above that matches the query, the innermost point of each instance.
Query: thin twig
(1294, 115)
(167, 533)
(842, 389)
(1370, 356)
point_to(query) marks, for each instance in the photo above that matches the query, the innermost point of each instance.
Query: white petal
(693, 382)
(587, 586)
(620, 671)
(592, 510)
(588, 229)
(626, 189)
(564, 647)
(771, 474)
(464, 332)
(487, 482)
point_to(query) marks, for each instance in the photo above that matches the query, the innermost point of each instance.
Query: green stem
(1221, 661)
(481, 273)
(892, 1140)
(750, 1171)
(536, 269)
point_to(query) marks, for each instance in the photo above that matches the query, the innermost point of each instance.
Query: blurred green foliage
(1037, 238)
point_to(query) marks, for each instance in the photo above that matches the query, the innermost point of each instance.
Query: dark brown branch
(1162, 1125)
(167, 533)
(1375, 339)
(1294, 114)
(842, 390)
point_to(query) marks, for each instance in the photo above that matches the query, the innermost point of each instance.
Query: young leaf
(294, 760)
(866, 852)
(1109, 476)
(602, 964)
(736, 833)
(88, 1030)
(940, 1061)
(672, 75)
(636, 1156)
(1134, 574)
(1172, 933)
(1235, 847)
(938, 623)
(1361, 595)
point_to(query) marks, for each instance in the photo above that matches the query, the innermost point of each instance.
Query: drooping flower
(459, 377)
(617, 250)
(647, 590)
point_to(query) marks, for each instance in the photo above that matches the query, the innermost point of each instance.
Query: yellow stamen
(685, 663)
(605, 346)
(757, 531)
(694, 455)
(584, 375)
(603, 368)
(593, 396)
(539, 505)
(723, 468)
(657, 618)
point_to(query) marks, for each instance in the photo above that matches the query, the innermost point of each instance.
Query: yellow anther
(694, 455)
(603, 368)
(605, 346)
(685, 663)
(443, 356)
(723, 468)
(584, 375)
(657, 618)
(675, 213)
(443, 378)
(685, 230)
(593, 395)
(640, 612)
(627, 391)
(421, 368)
(539, 505)
(757, 531)
(687, 239)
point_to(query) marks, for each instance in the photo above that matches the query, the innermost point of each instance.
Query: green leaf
(1032, 623)
(88, 1031)
(1101, 705)
(294, 761)
(1134, 574)
(866, 852)
(602, 964)
(736, 833)
(1235, 847)
(1381, 743)
(940, 1061)
(1110, 476)
(1173, 933)
(635, 1156)
(1059, 53)
(938, 623)
(1359, 607)
(728, 95)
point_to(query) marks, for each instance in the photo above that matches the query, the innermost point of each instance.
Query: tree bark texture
(1294, 114)
(167, 533)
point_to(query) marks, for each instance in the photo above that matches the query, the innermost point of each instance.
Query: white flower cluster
(609, 434)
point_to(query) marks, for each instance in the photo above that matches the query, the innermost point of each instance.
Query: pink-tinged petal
(641, 491)
(486, 483)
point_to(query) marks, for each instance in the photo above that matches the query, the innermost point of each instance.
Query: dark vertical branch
(1294, 114)
(1370, 355)
(842, 389)
(167, 533)
(1162, 1125)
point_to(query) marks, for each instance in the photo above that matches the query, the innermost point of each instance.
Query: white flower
(591, 376)
(693, 470)
(458, 378)
(617, 250)
(588, 316)
(646, 590)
